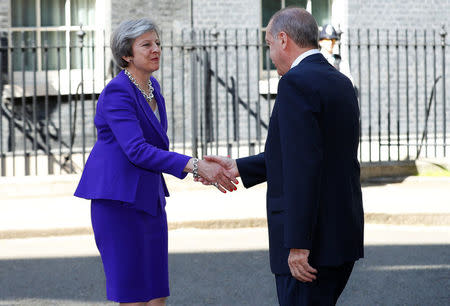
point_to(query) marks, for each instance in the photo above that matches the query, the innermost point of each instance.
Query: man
(327, 40)
(314, 205)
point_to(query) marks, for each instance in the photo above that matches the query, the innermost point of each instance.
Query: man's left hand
(299, 266)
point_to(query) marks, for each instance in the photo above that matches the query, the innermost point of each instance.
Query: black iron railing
(402, 78)
(218, 95)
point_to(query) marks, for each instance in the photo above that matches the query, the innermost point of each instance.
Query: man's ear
(282, 36)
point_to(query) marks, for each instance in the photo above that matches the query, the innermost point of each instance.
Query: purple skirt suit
(123, 178)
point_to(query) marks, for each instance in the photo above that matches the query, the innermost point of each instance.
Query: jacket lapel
(145, 107)
(162, 110)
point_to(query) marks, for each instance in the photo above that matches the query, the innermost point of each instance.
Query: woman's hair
(123, 37)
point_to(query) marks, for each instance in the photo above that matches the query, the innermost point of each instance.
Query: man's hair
(298, 24)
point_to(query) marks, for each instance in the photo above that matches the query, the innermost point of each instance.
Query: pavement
(44, 206)
(218, 245)
(409, 265)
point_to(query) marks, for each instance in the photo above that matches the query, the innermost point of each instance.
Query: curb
(370, 218)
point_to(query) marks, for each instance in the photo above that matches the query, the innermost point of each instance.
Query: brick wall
(168, 14)
(231, 13)
(4, 13)
(176, 14)
(398, 14)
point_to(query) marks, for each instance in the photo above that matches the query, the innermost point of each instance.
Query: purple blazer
(131, 153)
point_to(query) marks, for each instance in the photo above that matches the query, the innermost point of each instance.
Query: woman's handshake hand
(218, 171)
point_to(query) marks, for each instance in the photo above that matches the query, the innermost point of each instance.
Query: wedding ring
(215, 184)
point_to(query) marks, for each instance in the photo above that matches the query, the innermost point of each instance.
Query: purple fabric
(131, 152)
(133, 250)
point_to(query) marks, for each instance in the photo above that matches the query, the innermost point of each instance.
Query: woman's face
(146, 52)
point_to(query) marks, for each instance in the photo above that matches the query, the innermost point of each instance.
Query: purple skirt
(133, 247)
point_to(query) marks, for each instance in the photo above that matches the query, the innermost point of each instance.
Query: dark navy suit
(313, 175)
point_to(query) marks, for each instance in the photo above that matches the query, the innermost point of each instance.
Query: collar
(303, 55)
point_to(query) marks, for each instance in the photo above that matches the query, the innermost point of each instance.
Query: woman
(123, 174)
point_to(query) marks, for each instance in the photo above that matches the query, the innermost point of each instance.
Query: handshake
(218, 171)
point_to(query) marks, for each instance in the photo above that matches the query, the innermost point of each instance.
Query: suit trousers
(324, 291)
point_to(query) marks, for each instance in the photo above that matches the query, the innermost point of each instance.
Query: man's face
(276, 52)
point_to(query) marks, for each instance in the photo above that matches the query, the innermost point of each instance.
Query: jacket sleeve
(118, 110)
(301, 149)
(252, 170)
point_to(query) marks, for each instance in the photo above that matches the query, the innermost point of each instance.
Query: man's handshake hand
(218, 171)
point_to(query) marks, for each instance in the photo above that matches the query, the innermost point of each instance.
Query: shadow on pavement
(400, 275)
(381, 181)
(389, 275)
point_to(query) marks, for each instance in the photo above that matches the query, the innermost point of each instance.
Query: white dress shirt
(303, 55)
(156, 112)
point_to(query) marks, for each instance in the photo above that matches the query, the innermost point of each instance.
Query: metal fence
(47, 102)
(402, 76)
(219, 90)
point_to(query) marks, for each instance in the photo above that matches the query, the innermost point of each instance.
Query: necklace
(147, 97)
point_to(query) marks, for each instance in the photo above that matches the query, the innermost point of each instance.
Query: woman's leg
(154, 302)
(157, 302)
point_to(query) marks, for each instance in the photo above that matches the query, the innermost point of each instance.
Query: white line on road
(408, 267)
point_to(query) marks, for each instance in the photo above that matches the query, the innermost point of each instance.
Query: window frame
(32, 81)
(38, 30)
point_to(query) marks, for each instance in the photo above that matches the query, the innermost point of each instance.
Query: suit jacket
(310, 163)
(131, 153)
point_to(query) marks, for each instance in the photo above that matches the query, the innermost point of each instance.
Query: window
(51, 23)
(320, 9)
